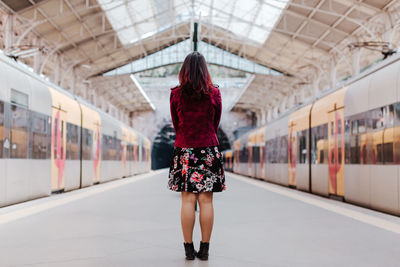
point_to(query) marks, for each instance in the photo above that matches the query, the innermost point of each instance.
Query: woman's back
(195, 120)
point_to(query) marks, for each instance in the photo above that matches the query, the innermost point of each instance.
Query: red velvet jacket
(196, 122)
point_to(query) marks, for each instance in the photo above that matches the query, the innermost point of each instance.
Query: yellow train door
(58, 149)
(336, 151)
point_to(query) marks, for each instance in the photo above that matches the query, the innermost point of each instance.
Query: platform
(135, 222)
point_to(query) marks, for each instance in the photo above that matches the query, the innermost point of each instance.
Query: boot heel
(189, 251)
(203, 251)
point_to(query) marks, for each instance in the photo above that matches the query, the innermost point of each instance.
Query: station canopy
(275, 40)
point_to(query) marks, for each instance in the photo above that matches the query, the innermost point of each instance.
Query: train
(344, 145)
(52, 141)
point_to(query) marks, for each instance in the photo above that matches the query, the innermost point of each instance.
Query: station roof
(284, 35)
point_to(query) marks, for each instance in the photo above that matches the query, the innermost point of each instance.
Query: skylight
(138, 19)
(177, 53)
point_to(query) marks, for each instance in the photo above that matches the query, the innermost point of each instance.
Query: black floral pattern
(197, 170)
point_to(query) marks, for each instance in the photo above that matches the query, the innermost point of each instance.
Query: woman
(196, 169)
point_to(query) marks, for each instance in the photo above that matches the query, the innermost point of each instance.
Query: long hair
(194, 78)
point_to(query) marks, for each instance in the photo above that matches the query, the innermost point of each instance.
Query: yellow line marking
(298, 195)
(68, 197)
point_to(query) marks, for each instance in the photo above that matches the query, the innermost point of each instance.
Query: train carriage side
(243, 163)
(111, 135)
(91, 145)
(227, 156)
(141, 150)
(252, 152)
(236, 154)
(298, 147)
(125, 150)
(66, 117)
(372, 141)
(276, 150)
(144, 155)
(131, 150)
(327, 144)
(258, 153)
(25, 117)
(148, 155)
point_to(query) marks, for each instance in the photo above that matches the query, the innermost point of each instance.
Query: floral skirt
(196, 170)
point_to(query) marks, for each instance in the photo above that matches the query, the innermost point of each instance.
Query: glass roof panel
(251, 19)
(176, 54)
(258, 34)
(246, 9)
(226, 5)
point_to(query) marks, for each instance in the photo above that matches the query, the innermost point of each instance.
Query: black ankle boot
(189, 251)
(203, 251)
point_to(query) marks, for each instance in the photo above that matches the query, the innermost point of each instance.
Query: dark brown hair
(194, 78)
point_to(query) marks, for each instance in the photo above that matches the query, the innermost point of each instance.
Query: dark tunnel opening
(163, 146)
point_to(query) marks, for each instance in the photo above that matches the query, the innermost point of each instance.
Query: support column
(282, 106)
(263, 116)
(275, 112)
(195, 36)
(269, 114)
(291, 101)
(302, 95)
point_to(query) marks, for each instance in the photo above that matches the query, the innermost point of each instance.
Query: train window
(396, 108)
(379, 155)
(19, 98)
(319, 139)
(119, 149)
(1, 128)
(72, 141)
(314, 148)
(354, 127)
(355, 155)
(375, 118)
(87, 144)
(39, 136)
(267, 153)
(243, 157)
(55, 136)
(302, 152)
(283, 153)
(19, 132)
(364, 154)
(321, 156)
(339, 126)
(256, 154)
(388, 116)
(274, 150)
(104, 147)
(388, 153)
(361, 126)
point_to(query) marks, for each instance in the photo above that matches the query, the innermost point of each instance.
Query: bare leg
(206, 215)
(188, 215)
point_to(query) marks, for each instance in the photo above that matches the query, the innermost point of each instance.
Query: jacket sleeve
(218, 109)
(174, 115)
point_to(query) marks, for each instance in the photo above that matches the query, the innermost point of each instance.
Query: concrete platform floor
(135, 222)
